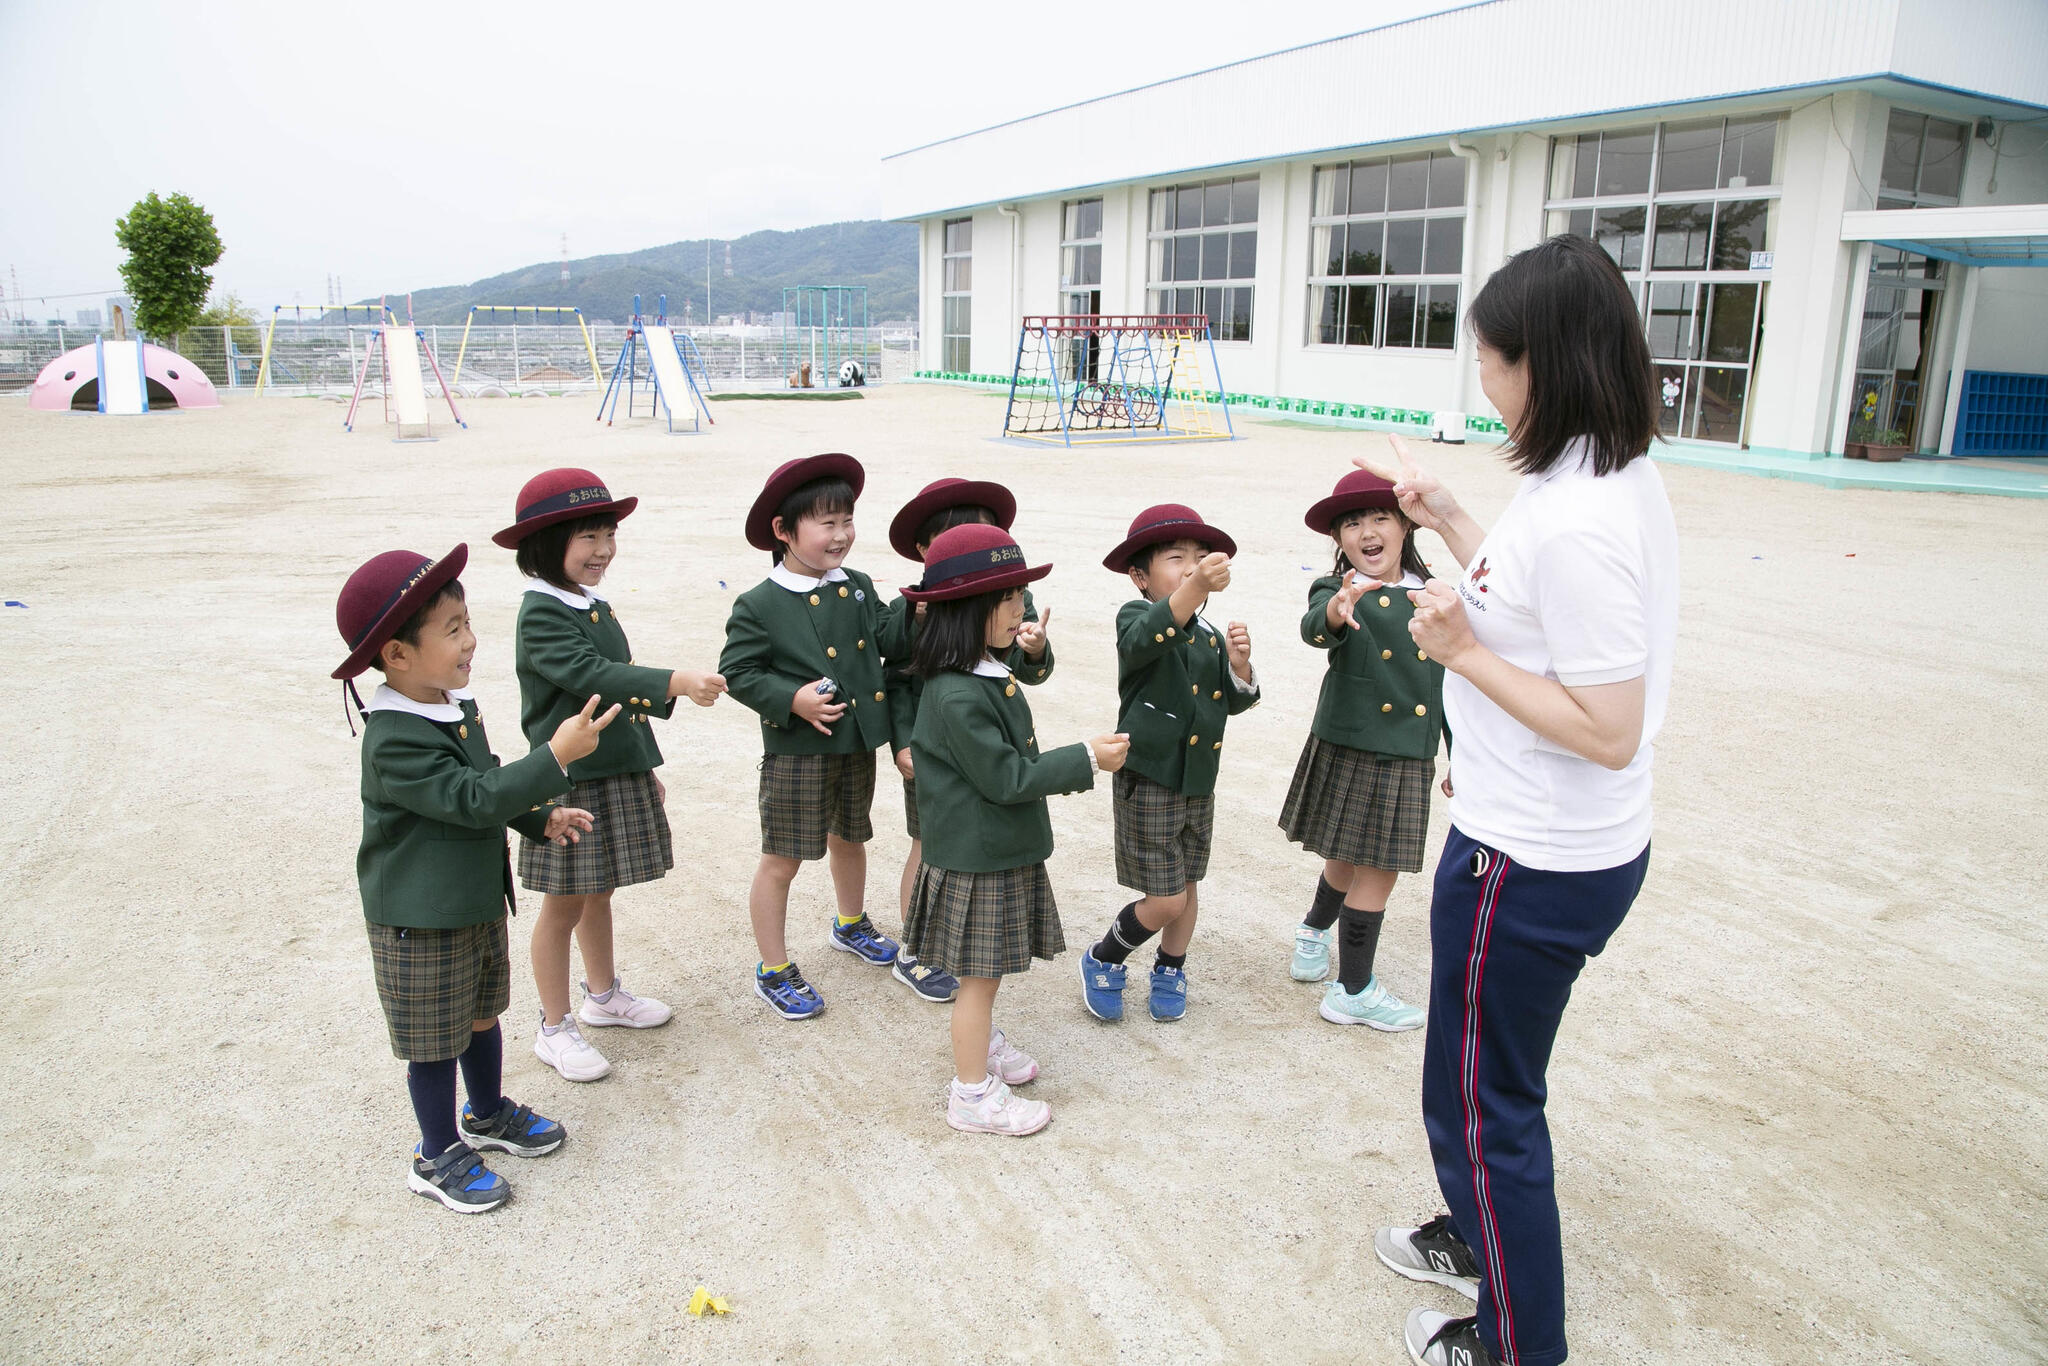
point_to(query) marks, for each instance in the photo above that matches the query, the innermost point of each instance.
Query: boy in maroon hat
(1180, 679)
(940, 506)
(803, 649)
(434, 868)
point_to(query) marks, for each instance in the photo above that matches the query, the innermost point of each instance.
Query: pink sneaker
(995, 1111)
(1008, 1062)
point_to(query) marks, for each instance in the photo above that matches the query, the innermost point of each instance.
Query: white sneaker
(995, 1111)
(1008, 1062)
(622, 1008)
(566, 1052)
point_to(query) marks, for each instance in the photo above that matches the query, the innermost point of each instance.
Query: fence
(321, 357)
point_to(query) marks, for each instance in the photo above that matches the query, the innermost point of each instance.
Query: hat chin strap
(348, 693)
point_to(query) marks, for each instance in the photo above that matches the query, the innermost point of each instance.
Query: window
(957, 328)
(1203, 252)
(1386, 252)
(1923, 161)
(1688, 211)
(1081, 256)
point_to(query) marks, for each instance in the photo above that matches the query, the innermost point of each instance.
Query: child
(803, 648)
(1171, 671)
(939, 506)
(1360, 795)
(433, 868)
(982, 905)
(570, 645)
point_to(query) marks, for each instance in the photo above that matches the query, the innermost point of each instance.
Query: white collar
(1407, 580)
(800, 583)
(388, 698)
(990, 668)
(581, 601)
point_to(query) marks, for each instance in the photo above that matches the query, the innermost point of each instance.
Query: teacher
(1557, 646)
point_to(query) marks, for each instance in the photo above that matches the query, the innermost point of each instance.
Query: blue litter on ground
(721, 583)
(22, 605)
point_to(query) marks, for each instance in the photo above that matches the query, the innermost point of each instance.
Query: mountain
(882, 256)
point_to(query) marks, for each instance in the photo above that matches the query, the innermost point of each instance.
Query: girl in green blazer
(982, 906)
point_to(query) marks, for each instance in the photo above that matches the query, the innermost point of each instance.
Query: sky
(406, 145)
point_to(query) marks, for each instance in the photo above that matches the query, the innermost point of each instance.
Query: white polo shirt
(1577, 581)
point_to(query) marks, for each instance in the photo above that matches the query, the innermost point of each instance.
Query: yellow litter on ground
(702, 1300)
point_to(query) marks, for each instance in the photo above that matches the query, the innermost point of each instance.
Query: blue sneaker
(930, 983)
(459, 1179)
(1311, 953)
(1102, 987)
(515, 1129)
(1169, 993)
(864, 941)
(787, 993)
(1374, 1005)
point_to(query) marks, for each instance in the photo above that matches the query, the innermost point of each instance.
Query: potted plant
(1868, 441)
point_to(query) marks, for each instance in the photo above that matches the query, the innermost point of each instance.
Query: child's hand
(1032, 636)
(817, 708)
(576, 738)
(660, 790)
(1238, 640)
(566, 824)
(700, 687)
(1439, 625)
(1446, 786)
(1110, 751)
(1213, 573)
(1339, 612)
(906, 767)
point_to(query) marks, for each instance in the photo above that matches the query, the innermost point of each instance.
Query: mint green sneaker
(1311, 953)
(1375, 1006)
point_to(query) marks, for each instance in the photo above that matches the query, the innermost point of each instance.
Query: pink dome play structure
(110, 377)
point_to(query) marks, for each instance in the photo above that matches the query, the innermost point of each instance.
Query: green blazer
(564, 655)
(779, 639)
(1380, 693)
(1176, 691)
(899, 635)
(981, 781)
(435, 807)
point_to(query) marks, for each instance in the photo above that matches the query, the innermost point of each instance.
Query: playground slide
(408, 390)
(668, 374)
(121, 388)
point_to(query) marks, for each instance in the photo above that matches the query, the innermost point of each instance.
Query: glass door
(1895, 344)
(1703, 341)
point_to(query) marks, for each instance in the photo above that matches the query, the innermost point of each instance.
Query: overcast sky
(404, 145)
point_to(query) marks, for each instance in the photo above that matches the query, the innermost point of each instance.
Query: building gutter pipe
(1450, 426)
(1016, 264)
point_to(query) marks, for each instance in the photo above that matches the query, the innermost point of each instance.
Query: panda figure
(852, 374)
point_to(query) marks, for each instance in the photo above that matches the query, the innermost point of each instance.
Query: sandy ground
(1798, 1104)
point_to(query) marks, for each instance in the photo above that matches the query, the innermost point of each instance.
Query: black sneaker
(459, 1179)
(1433, 1253)
(1439, 1340)
(515, 1129)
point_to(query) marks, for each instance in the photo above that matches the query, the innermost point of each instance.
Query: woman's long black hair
(954, 637)
(1564, 305)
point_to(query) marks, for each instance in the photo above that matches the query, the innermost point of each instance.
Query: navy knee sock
(483, 1071)
(1126, 933)
(1323, 911)
(1358, 939)
(433, 1103)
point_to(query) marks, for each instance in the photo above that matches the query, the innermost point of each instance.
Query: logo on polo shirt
(1479, 573)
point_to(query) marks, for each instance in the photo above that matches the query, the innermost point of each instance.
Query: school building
(1827, 210)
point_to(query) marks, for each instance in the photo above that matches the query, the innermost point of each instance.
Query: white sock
(974, 1092)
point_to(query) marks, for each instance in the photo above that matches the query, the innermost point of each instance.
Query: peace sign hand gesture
(1424, 499)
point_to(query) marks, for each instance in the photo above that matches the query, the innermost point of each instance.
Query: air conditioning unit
(1448, 428)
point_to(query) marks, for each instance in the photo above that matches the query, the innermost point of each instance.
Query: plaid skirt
(1162, 837)
(434, 983)
(804, 797)
(982, 924)
(1358, 807)
(910, 808)
(628, 841)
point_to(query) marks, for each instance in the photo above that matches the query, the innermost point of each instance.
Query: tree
(228, 310)
(170, 243)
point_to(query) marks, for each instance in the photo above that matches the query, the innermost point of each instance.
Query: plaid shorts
(628, 841)
(1162, 837)
(434, 983)
(982, 924)
(806, 796)
(910, 808)
(1357, 807)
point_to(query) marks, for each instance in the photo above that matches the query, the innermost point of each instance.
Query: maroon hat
(971, 559)
(1358, 489)
(1166, 522)
(558, 496)
(380, 596)
(787, 479)
(949, 493)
